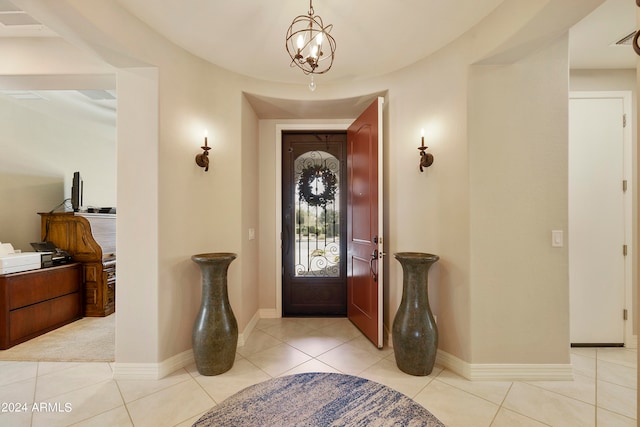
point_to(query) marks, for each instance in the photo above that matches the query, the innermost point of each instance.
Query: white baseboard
(269, 313)
(244, 336)
(506, 371)
(470, 371)
(155, 371)
(152, 371)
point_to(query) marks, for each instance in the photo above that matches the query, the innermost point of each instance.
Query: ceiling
(592, 41)
(248, 37)
(372, 36)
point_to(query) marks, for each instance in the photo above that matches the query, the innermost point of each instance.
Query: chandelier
(310, 45)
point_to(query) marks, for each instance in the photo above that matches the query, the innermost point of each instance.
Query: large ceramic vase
(415, 334)
(215, 332)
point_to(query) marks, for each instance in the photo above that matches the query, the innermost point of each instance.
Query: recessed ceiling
(373, 37)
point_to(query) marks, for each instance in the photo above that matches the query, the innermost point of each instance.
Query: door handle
(374, 257)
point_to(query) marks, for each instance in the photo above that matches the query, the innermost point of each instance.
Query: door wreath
(317, 193)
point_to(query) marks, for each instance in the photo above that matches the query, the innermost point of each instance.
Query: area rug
(90, 339)
(318, 399)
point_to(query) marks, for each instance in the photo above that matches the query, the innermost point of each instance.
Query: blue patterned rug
(318, 399)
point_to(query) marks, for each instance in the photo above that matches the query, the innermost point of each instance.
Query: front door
(313, 224)
(364, 223)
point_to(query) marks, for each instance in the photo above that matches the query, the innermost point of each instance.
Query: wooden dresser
(38, 301)
(91, 240)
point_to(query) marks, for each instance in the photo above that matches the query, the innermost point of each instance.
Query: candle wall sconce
(426, 159)
(202, 159)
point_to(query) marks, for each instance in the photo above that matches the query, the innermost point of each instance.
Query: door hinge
(624, 185)
(624, 120)
(624, 314)
(624, 250)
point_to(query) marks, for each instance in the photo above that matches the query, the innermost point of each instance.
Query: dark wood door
(364, 223)
(314, 224)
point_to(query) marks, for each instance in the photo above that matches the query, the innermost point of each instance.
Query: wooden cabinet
(91, 240)
(38, 301)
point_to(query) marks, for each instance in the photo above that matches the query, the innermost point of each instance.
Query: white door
(596, 220)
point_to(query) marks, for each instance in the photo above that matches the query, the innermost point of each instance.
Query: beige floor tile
(611, 419)
(170, 406)
(116, 417)
(364, 343)
(243, 374)
(585, 351)
(349, 359)
(288, 330)
(315, 343)
(11, 372)
(135, 389)
(279, 359)
(46, 368)
(64, 381)
(312, 365)
(618, 399)
(618, 374)
(549, 407)
(344, 330)
(455, 407)
(493, 391)
(507, 418)
(322, 322)
(16, 400)
(621, 356)
(191, 421)
(257, 342)
(79, 405)
(268, 323)
(386, 372)
(581, 388)
(584, 364)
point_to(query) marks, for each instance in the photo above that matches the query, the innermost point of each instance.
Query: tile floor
(84, 394)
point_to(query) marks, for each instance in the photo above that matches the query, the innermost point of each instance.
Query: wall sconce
(426, 159)
(202, 159)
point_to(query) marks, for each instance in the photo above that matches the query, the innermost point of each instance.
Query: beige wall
(168, 97)
(637, 237)
(518, 175)
(249, 292)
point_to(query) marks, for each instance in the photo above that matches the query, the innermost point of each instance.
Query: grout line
(595, 412)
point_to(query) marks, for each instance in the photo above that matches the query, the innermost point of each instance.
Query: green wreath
(307, 188)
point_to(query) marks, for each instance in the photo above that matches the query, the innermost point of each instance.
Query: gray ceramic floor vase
(414, 331)
(215, 332)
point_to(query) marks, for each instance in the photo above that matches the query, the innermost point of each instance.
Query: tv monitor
(76, 192)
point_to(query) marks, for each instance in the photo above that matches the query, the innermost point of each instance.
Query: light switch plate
(557, 238)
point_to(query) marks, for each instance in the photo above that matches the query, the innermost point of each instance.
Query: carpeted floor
(318, 399)
(90, 339)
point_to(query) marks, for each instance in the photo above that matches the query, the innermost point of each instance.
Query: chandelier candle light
(307, 41)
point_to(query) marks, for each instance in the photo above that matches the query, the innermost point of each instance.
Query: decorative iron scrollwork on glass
(317, 252)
